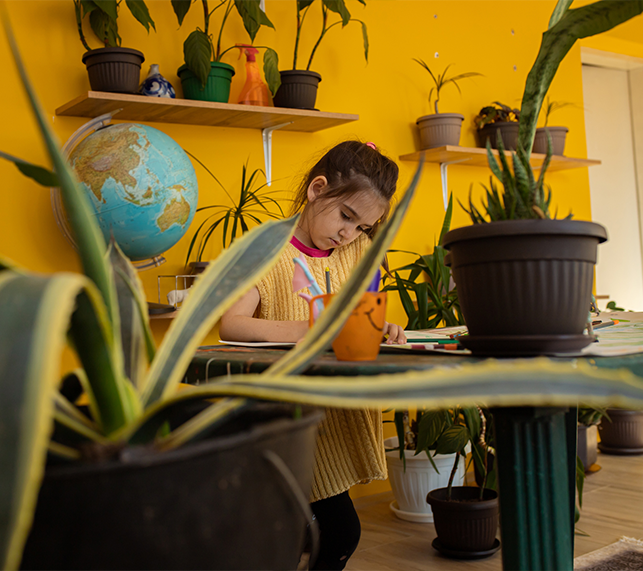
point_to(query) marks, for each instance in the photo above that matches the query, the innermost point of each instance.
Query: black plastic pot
(621, 432)
(298, 89)
(224, 503)
(115, 70)
(524, 285)
(466, 526)
(508, 131)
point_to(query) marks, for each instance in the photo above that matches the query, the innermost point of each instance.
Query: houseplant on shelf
(557, 134)
(524, 280)
(441, 129)
(496, 119)
(111, 68)
(588, 420)
(299, 86)
(203, 75)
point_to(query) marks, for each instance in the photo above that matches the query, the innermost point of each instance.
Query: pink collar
(312, 252)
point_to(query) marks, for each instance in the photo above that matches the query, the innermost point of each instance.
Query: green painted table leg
(533, 478)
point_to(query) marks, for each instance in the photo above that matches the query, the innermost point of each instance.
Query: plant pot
(216, 89)
(508, 131)
(361, 336)
(587, 447)
(466, 526)
(115, 70)
(439, 130)
(411, 486)
(558, 136)
(524, 285)
(298, 89)
(217, 504)
(624, 434)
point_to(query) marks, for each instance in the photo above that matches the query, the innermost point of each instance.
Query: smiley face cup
(360, 338)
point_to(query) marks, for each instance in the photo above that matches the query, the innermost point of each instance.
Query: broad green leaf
(105, 28)
(197, 51)
(332, 319)
(35, 317)
(559, 11)
(271, 70)
(253, 16)
(431, 426)
(41, 175)
(472, 421)
(225, 280)
(302, 4)
(364, 38)
(109, 7)
(181, 8)
(452, 440)
(141, 13)
(339, 7)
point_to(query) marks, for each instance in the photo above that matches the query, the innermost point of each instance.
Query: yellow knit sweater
(350, 447)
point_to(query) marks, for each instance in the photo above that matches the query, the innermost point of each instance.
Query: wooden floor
(612, 507)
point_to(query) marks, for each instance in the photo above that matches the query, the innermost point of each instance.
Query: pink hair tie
(371, 145)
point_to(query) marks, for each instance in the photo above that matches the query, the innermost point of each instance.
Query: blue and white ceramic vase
(155, 85)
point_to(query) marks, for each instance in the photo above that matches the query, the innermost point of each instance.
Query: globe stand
(60, 215)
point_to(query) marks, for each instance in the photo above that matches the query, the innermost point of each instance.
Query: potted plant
(496, 119)
(441, 129)
(623, 433)
(525, 280)
(203, 75)
(557, 134)
(416, 468)
(465, 517)
(249, 208)
(429, 280)
(299, 86)
(111, 68)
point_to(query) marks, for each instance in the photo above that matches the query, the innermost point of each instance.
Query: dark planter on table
(115, 70)
(439, 130)
(216, 89)
(466, 526)
(524, 285)
(587, 448)
(508, 131)
(558, 136)
(298, 89)
(624, 434)
(223, 503)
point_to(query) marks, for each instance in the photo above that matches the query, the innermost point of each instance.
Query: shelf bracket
(445, 180)
(266, 135)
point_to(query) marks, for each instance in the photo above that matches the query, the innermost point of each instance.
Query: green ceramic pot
(216, 89)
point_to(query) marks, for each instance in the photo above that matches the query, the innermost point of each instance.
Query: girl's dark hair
(350, 167)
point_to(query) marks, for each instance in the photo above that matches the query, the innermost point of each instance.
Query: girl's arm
(238, 324)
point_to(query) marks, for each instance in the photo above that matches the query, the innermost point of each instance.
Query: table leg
(534, 491)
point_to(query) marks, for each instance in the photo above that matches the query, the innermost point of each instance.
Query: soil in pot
(216, 89)
(439, 130)
(466, 525)
(217, 504)
(115, 70)
(298, 89)
(624, 434)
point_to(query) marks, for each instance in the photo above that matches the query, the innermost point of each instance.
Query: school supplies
(328, 289)
(303, 278)
(375, 284)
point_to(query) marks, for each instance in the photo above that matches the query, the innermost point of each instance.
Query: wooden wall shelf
(189, 112)
(477, 157)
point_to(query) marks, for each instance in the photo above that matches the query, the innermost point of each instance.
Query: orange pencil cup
(360, 338)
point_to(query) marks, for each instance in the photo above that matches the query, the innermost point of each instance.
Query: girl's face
(332, 223)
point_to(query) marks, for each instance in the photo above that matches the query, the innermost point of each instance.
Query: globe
(142, 185)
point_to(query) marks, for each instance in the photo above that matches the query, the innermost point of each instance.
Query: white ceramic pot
(410, 488)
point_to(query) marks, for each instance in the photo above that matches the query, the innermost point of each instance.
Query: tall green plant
(103, 15)
(199, 49)
(327, 6)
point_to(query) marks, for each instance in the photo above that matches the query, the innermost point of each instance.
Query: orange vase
(360, 338)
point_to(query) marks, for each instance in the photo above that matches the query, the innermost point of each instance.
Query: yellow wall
(496, 38)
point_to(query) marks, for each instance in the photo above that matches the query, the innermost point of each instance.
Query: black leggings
(339, 531)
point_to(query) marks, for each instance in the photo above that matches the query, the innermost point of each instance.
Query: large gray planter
(622, 432)
(439, 130)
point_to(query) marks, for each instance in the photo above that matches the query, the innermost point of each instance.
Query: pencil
(328, 280)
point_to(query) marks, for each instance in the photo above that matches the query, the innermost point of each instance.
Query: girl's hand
(395, 334)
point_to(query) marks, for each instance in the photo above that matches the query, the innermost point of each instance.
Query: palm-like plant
(551, 107)
(251, 206)
(441, 80)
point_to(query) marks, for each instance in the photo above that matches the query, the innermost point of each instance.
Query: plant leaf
(197, 51)
(41, 175)
(253, 16)
(141, 13)
(339, 7)
(271, 70)
(181, 8)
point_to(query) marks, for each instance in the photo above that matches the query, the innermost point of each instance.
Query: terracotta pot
(508, 131)
(361, 336)
(524, 285)
(558, 136)
(439, 130)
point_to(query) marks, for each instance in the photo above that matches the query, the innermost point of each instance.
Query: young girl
(343, 199)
